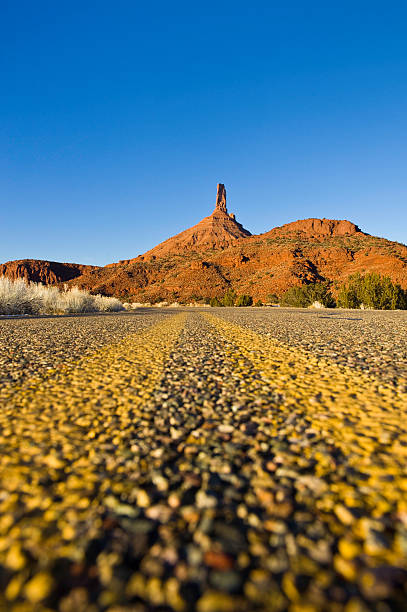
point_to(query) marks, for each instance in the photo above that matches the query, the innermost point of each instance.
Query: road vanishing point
(208, 460)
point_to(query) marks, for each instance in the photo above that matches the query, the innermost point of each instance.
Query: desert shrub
(295, 296)
(215, 302)
(76, 300)
(272, 298)
(373, 291)
(304, 296)
(259, 303)
(320, 292)
(229, 298)
(18, 297)
(349, 295)
(108, 304)
(15, 299)
(244, 300)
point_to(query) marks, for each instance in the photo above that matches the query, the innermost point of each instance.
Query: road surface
(229, 460)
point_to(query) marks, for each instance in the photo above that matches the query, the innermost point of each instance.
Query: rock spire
(221, 198)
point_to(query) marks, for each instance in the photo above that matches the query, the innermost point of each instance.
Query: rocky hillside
(41, 271)
(218, 254)
(256, 265)
(314, 228)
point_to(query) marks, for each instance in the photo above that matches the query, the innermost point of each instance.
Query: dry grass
(19, 297)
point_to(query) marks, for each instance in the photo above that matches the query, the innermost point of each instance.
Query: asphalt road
(229, 460)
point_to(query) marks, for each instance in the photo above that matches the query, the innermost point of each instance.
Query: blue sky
(119, 118)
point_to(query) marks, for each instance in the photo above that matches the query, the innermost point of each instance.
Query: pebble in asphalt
(184, 477)
(372, 341)
(29, 346)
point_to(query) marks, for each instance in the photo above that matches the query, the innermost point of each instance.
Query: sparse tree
(244, 300)
(215, 302)
(373, 291)
(229, 298)
(304, 296)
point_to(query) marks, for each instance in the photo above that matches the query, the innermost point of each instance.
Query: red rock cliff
(316, 227)
(41, 271)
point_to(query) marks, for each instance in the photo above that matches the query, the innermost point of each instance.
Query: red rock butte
(309, 228)
(219, 254)
(43, 271)
(218, 231)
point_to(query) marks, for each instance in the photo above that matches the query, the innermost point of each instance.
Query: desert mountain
(257, 265)
(217, 231)
(219, 254)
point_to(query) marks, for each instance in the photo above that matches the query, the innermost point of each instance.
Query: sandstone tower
(221, 198)
(218, 231)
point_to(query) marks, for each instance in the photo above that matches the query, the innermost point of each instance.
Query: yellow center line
(361, 416)
(63, 439)
(160, 333)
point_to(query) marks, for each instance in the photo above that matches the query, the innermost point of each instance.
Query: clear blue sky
(119, 117)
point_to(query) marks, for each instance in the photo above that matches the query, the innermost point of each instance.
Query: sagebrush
(19, 297)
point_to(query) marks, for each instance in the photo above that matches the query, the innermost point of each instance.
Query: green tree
(348, 295)
(320, 292)
(304, 296)
(215, 302)
(229, 298)
(373, 291)
(244, 300)
(295, 296)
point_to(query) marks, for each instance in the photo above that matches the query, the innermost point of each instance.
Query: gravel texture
(372, 341)
(29, 346)
(190, 461)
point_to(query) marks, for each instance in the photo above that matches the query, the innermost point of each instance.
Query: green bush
(297, 297)
(229, 298)
(272, 298)
(373, 291)
(215, 302)
(259, 303)
(320, 292)
(244, 300)
(304, 296)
